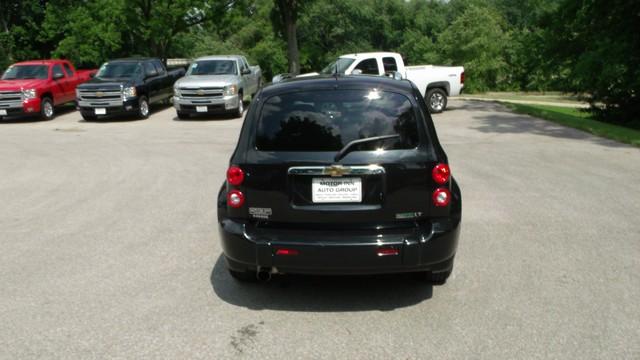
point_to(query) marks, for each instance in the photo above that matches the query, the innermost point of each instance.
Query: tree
(287, 11)
(595, 47)
(477, 39)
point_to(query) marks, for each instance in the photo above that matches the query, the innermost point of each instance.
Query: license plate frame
(336, 190)
(100, 111)
(202, 109)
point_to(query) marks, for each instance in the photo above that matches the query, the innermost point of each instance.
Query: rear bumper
(429, 246)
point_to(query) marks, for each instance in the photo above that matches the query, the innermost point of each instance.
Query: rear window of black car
(327, 120)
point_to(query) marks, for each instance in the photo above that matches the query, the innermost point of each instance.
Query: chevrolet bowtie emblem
(99, 94)
(336, 170)
(200, 92)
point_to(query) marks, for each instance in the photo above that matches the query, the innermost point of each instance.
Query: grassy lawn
(579, 119)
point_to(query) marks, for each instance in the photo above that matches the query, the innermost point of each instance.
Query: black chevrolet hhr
(339, 175)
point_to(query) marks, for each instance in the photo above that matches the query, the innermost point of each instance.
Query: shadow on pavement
(155, 108)
(320, 293)
(496, 118)
(59, 111)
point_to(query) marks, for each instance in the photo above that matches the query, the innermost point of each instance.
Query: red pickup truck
(37, 87)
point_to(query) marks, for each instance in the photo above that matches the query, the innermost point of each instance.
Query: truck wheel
(143, 108)
(47, 111)
(240, 110)
(182, 115)
(436, 100)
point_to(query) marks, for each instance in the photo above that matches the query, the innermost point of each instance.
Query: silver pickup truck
(216, 84)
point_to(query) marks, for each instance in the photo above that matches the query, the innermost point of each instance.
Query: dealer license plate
(3, 112)
(336, 190)
(201, 108)
(101, 111)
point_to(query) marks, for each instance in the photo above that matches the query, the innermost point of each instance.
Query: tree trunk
(289, 12)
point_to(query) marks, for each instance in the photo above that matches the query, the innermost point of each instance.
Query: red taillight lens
(235, 198)
(235, 176)
(441, 197)
(287, 252)
(441, 173)
(462, 77)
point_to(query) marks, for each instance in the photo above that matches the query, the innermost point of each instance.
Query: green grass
(579, 119)
(551, 96)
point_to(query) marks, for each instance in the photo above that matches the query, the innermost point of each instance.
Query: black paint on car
(339, 175)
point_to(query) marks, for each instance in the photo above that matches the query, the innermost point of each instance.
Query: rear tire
(182, 115)
(143, 108)
(437, 278)
(47, 110)
(244, 276)
(436, 100)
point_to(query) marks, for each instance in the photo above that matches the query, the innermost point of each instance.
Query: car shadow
(496, 118)
(155, 108)
(207, 117)
(308, 293)
(17, 119)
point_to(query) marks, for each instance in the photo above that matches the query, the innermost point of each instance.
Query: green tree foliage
(584, 46)
(595, 46)
(477, 39)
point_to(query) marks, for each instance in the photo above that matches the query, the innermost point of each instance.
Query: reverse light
(235, 176)
(29, 93)
(441, 197)
(441, 173)
(235, 198)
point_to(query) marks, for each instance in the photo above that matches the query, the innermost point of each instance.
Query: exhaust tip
(263, 275)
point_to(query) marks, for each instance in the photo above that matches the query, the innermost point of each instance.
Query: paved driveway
(109, 249)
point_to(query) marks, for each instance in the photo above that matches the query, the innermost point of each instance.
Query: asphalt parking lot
(110, 250)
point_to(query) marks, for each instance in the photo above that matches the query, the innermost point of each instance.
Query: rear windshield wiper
(351, 145)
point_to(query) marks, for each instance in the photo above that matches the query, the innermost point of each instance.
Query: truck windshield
(119, 70)
(339, 66)
(327, 120)
(213, 67)
(18, 72)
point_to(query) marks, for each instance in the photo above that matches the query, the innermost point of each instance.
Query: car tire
(143, 108)
(89, 117)
(240, 110)
(244, 276)
(434, 278)
(182, 115)
(47, 110)
(436, 100)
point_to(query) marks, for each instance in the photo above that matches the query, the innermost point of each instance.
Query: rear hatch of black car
(297, 177)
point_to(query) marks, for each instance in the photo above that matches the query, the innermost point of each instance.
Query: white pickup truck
(436, 83)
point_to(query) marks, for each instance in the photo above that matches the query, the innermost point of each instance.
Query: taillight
(441, 197)
(235, 198)
(441, 173)
(235, 176)
(462, 77)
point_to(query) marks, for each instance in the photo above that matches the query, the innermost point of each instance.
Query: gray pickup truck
(216, 84)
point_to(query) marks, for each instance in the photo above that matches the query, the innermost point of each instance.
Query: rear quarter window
(327, 120)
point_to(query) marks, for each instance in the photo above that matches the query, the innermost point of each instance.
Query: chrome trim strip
(337, 170)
